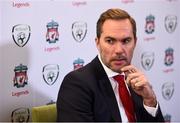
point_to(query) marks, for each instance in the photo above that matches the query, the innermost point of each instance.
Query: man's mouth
(120, 61)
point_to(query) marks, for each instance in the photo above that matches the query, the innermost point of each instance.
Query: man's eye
(110, 41)
(127, 41)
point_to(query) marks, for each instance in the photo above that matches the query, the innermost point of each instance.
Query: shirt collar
(110, 74)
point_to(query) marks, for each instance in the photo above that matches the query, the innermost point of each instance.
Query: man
(91, 93)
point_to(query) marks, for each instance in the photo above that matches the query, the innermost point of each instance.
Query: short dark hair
(115, 14)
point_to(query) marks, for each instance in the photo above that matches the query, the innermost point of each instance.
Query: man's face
(116, 44)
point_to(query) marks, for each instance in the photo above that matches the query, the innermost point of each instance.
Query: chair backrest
(45, 113)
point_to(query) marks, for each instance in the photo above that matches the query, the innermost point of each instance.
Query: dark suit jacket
(87, 95)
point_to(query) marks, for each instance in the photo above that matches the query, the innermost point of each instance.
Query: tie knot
(119, 78)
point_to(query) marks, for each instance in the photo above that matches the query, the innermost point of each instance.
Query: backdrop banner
(41, 41)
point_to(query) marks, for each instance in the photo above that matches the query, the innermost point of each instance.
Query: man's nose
(118, 47)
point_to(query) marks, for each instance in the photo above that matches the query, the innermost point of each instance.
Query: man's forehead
(117, 25)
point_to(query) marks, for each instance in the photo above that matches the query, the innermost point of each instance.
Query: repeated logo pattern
(167, 118)
(52, 34)
(150, 24)
(170, 23)
(21, 34)
(50, 73)
(147, 60)
(20, 78)
(78, 63)
(167, 90)
(169, 57)
(79, 30)
(20, 115)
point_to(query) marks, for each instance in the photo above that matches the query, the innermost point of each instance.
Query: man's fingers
(129, 68)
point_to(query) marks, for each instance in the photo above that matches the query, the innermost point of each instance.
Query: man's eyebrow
(128, 38)
(110, 38)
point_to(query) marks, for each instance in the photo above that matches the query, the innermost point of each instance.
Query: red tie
(125, 98)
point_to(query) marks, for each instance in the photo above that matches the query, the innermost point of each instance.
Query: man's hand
(139, 83)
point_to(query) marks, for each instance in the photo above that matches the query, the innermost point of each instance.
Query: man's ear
(135, 39)
(97, 41)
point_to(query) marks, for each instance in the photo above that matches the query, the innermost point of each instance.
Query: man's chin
(118, 70)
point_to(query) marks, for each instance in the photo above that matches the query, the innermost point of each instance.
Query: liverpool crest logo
(21, 34)
(52, 34)
(150, 24)
(20, 78)
(169, 58)
(167, 118)
(78, 63)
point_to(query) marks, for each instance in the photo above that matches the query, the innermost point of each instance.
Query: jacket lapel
(107, 90)
(110, 99)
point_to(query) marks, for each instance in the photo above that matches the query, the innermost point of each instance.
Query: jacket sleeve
(141, 114)
(74, 102)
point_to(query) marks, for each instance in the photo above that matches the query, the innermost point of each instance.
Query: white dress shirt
(111, 74)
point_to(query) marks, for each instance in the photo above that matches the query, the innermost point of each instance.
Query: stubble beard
(116, 68)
